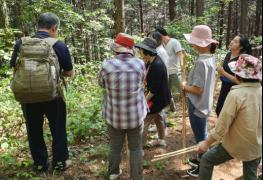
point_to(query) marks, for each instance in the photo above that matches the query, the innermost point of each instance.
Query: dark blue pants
(199, 125)
(55, 111)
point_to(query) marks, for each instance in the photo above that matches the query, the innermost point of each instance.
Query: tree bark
(258, 17)
(192, 10)
(221, 22)
(119, 16)
(244, 17)
(17, 14)
(229, 23)
(199, 8)
(235, 27)
(172, 11)
(141, 16)
(3, 14)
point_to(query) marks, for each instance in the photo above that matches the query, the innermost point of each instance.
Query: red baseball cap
(123, 43)
(124, 40)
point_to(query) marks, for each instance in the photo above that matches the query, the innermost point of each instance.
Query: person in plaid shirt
(124, 106)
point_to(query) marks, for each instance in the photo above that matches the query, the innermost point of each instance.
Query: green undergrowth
(83, 97)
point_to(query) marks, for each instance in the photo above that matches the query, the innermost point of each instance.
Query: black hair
(157, 36)
(213, 48)
(162, 31)
(245, 44)
(146, 52)
(48, 20)
(247, 80)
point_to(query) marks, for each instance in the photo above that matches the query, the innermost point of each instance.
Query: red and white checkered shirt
(124, 104)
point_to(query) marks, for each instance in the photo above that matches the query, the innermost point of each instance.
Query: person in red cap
(239, 127)
(125, 106)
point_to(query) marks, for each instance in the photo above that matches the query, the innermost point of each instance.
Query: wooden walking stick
(174, 153)
(184, 108)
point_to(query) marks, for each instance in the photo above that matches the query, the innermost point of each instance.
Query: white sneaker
(115, 176)
(152, 129)
(159, 142)
(162, 142)
(165, 132)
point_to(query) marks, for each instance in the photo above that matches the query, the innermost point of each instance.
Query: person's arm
(100, 77)
(67, 73)
(192, 89)
(205, 145)
(179, 51)
(15, 53)
(154, 79)
(181, 55)
(225, 120)
(149, 96)
(64, 58)
(228, 76)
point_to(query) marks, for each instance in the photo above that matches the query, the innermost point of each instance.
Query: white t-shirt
(172, 48)
(163, 55)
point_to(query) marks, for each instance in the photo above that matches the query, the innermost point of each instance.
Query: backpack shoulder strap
(51, 41)
(25, 39)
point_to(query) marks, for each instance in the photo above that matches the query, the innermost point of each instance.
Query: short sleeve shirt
(203, 75)
(172, 48)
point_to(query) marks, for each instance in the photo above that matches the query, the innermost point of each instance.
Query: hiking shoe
(194, 171)
(62, 166)
(162, 142)
(193, 162)
(165, 131)
(159, 142)
(115, 176)
(152, 129)
(41, 168)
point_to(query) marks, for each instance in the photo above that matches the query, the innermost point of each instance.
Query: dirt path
(173, 168)
(170, 169)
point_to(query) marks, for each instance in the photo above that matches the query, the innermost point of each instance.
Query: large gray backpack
(36, 76)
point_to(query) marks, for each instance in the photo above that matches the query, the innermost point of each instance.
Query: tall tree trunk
(258, 17)
(199, 8)
(141, 16)
(229, 23)
(3, 14)
(119, 16)
(221, 22)
(172, 11)
(244, 16)
(17, 14)
(235, 27)
(192, 8)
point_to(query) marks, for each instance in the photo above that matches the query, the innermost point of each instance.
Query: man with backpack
(39, 63)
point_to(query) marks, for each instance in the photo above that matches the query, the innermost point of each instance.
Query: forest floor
(92, 165)
(90, 158)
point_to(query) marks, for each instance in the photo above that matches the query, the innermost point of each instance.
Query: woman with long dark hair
(239, 45)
